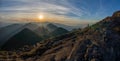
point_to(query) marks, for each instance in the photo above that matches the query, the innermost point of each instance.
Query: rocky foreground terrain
(98, 42)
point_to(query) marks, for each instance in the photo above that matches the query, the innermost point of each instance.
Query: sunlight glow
(40, 17)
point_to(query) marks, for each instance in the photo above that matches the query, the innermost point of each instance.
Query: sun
(40, 17)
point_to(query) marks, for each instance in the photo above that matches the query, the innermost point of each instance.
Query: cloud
(64, 7)
(64, 10)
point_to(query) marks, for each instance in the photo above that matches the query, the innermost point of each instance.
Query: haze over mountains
(23, 32)
(98, 42)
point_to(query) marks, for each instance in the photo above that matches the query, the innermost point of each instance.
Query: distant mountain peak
(24, 37)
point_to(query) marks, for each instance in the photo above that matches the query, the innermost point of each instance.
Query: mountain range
(26, 34)
(98, 42)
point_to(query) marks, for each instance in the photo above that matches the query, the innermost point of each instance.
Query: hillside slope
(24, 37)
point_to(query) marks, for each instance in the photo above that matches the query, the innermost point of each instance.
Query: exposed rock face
(99, 42)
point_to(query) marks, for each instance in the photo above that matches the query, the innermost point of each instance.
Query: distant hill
(10, 30)
(10, 33)
(51, 27)
(59, 31)
(24, 37)
(42, 31)
(69, 28)
(3, 24)
(50, 30)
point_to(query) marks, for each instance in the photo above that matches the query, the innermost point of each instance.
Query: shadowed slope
(25, 37)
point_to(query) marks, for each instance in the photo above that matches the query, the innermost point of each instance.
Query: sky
(63, 11)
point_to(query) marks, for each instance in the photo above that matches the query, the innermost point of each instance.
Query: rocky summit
(98, 42)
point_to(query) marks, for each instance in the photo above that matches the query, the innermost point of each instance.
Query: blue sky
(69, 11)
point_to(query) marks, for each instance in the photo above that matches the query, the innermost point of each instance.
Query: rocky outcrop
(116, 14)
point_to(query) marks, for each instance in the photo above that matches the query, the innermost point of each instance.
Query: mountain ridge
(24, 37)
(39, 32)
(10, 30)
